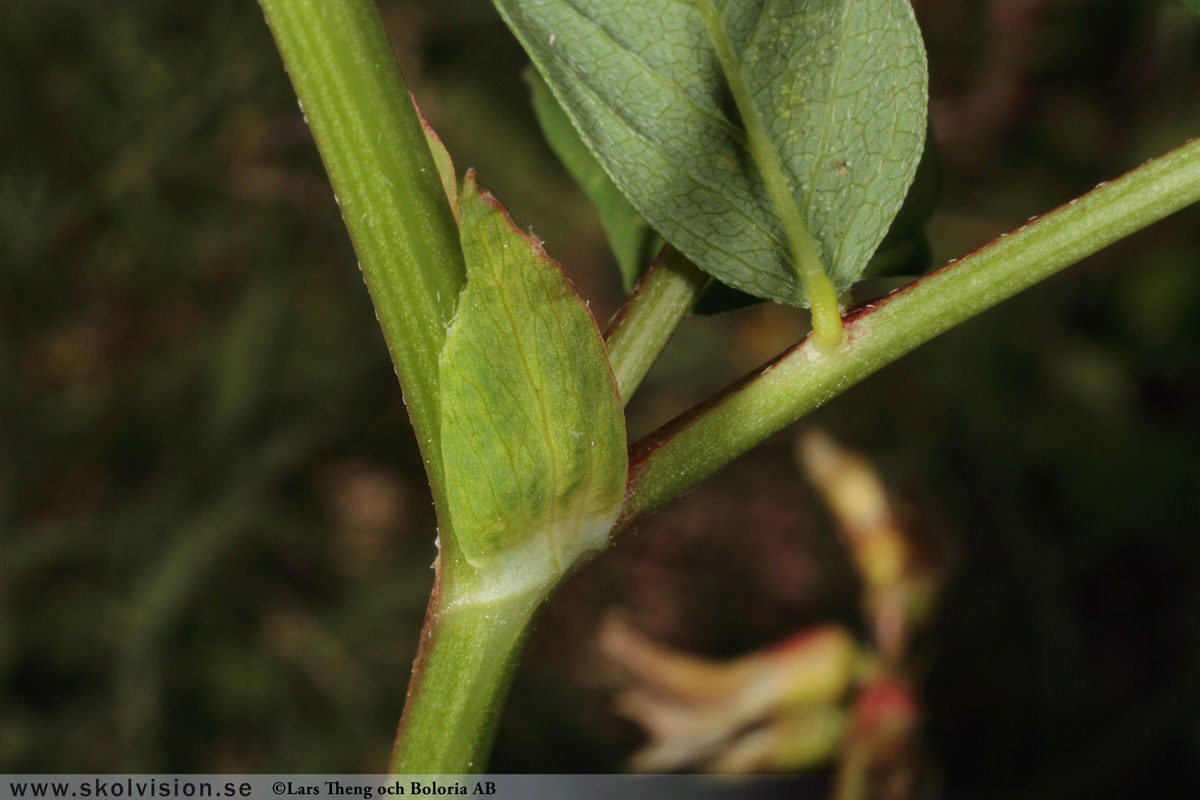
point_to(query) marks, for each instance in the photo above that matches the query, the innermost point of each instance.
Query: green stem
(822, 298)
(644, 325)
(676, 457)
(468, 655)
(367, 130)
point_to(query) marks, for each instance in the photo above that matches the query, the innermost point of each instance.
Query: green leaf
(838, 87)
(441, 159)
(533, 434)
(905, 248)
(921, 199)
(632, 241)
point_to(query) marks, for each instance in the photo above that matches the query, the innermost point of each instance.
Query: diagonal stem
(642, 328)
(695, 445)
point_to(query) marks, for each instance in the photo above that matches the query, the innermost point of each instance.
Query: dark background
(215, 537)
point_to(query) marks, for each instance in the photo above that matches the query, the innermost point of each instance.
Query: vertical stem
(644, 325)
(384, 178)
(461, 679)
(822, 298)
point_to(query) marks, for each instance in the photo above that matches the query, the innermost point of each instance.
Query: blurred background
(215, 536)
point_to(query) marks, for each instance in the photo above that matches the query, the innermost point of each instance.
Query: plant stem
(680, 454)
(460, 681)
(358, 107)
(822, 298)
(641, 329)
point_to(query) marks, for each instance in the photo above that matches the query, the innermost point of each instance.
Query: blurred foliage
(214, 533)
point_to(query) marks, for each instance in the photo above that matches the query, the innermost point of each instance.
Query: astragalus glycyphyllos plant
(771, 144)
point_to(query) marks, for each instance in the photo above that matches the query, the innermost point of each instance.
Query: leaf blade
(642, 84)
(631, 240)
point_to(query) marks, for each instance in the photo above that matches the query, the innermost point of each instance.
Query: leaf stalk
(645, 323)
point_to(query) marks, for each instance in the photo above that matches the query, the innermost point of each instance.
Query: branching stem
(695, 445)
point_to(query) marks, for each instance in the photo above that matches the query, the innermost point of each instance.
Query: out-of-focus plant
(820, 695)
(776, 710)
(773, 145)
(900, 581)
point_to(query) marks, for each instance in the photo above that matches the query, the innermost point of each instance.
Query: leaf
(921, 199)
(905, 249)
(533, 434)
(839, 87)
(632, 241)
(441, 160)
